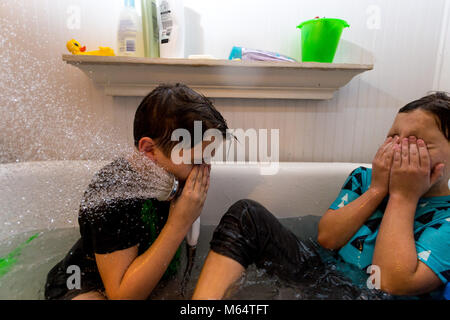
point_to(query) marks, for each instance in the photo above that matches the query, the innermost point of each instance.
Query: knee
(247, 206)
(241, 214)
(250, 215)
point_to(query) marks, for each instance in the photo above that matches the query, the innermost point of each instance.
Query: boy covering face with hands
(394, 217)
(398, 218)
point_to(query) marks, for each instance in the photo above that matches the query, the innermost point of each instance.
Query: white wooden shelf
(126, 76)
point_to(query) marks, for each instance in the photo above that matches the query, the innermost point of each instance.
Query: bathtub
(46, 195)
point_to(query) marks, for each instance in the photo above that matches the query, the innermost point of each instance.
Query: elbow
(117, 295)
(123, 297)
(327, 241)
(325, 235)
(397, 285)
(113, 295)
(395, 289)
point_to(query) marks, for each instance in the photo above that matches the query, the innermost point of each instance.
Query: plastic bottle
(130, 39)
(150, 28)
(193, 233)
(172, 29)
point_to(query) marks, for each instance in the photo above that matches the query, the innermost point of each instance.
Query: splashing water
(116, 182)
(157, 182)
(46, 105)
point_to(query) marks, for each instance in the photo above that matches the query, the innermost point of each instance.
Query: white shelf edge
(125, 76)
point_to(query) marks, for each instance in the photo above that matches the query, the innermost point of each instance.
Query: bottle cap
(129, 3)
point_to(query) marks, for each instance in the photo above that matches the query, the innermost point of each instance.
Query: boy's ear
(148, 147)
(437, 173)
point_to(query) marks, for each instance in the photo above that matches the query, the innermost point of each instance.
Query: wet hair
(171, 107)
(437, 104)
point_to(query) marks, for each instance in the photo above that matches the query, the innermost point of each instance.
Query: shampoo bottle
(172, 30)
(150, 28)
(129, 37)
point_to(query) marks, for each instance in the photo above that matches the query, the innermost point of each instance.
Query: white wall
(442, 73)
(52, 111)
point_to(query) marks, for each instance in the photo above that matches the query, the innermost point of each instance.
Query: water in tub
(26, 278)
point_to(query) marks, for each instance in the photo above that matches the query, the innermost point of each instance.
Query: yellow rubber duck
(75, 48)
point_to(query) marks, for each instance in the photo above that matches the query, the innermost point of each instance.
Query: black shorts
(249, 234)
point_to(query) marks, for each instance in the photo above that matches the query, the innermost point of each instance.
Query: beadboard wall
(51, 111)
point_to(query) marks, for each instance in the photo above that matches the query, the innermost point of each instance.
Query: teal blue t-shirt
(431, 228)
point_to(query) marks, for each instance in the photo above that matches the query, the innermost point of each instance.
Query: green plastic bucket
(320, 39)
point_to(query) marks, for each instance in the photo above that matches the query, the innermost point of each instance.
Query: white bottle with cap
(172, 29)
(129, 37)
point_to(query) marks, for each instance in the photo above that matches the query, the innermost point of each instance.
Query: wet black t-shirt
(115, 214)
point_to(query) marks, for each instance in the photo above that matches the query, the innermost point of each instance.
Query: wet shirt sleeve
(356, 184)
(433, 245)
(116, 226)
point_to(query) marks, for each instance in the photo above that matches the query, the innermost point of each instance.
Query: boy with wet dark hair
(129, 242)
(169, 108)
(394, 217)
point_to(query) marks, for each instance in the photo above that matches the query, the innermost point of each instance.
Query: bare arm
(337, 227)
(395, 252)
(126, 275)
